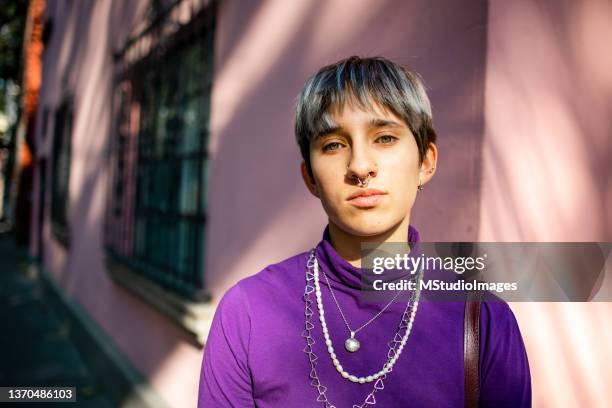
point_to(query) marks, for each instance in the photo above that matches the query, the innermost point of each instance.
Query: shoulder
(280, 277)
(286, 273)
(496, 310)
(496, 316)
(500, 329)
(504, 365)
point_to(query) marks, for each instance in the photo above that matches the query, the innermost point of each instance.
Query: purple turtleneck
(254, 354)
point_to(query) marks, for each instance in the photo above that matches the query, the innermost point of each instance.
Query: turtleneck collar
(339, 269)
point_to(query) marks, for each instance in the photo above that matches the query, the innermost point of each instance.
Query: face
(374, 146)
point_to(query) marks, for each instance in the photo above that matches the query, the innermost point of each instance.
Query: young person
(298, 334)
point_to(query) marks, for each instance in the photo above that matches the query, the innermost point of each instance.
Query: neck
(348, 245)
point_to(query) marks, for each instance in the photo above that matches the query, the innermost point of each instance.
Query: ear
(308, 180)
(428, 166)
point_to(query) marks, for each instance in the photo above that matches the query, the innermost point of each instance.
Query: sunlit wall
(546, 174)
(521, 96)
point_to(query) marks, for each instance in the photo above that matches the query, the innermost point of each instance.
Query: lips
(367, 198)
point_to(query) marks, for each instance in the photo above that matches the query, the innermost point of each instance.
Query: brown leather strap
(471, 349)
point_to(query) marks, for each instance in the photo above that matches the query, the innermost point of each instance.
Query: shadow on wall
(547, 174)
(256, 190)
(548, 97)
(548, 102)
(84, 67)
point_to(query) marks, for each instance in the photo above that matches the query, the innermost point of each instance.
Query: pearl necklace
(312, 357)
(330, 347)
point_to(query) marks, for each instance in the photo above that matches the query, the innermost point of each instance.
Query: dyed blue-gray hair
(362, 81)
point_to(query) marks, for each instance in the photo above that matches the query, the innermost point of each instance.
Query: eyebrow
(377, 123)
(330, 129)
(373, 123)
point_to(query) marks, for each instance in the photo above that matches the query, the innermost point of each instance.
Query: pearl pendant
(352, 344)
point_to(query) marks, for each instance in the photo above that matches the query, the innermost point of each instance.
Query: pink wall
(546, 174)
(257, 195)
(522, 153)
(547, 150)
(79, 58)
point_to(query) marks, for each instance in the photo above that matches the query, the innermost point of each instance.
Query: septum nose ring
(364, 182)
(360, 182)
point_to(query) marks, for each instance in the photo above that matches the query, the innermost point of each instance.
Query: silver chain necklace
(352, 344)
(330, 347)
(395, 345)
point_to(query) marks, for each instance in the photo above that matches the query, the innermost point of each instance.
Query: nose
(361, 164)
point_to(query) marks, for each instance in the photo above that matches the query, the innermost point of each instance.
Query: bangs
(362, 82)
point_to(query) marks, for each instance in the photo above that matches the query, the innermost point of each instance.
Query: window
(156, 215)
(62, 138)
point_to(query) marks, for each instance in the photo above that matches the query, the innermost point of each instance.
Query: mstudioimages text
(440, 285)
(415, 263)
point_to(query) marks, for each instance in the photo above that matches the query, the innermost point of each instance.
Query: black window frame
(199, 31)
(60, 170)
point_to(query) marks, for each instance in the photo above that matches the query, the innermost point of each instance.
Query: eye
(332, 146)
(386, 139)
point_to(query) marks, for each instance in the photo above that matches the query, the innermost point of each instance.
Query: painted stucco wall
(546, 174)
(523, 152)
(78, 60)
(260, 210)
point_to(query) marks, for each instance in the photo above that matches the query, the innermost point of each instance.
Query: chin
(368, 225)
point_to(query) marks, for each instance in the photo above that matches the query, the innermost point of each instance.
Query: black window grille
(60, 193)
(170, 86)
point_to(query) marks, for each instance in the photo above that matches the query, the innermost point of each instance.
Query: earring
(420, 187)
